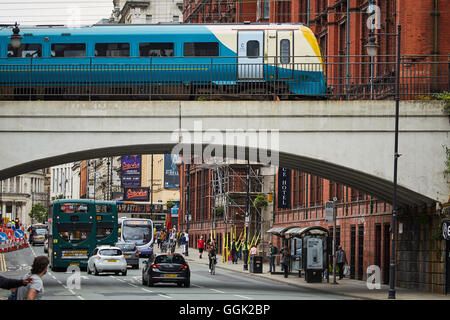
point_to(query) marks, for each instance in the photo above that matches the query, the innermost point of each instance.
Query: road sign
(329, 211)
(446, 230)
(3, 237)
(19, 234)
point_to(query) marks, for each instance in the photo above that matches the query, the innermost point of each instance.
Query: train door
(285, 54)
(250, 55)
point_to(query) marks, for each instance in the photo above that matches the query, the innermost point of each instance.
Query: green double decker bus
(77, 228)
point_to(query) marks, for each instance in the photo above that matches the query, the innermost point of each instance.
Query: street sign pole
(334, 240)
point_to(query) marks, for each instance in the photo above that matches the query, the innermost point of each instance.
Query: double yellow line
(3, 263)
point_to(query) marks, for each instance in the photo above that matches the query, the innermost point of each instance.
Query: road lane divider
(3, 263)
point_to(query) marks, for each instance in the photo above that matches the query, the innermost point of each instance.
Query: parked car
(166, 268)
(130, 252)
(38, 236)
(107, 259)
(46, 246)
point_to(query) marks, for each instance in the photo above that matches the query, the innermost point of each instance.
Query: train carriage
(156, 61)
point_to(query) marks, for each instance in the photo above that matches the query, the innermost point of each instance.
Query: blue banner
(171, 175)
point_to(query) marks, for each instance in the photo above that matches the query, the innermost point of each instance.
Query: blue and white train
(144, 60)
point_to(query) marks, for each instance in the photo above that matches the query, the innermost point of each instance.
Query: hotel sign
(284, 188)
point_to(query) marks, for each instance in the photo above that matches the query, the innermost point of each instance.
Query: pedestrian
(233, 252)
(34, 290)
(341, 260)
(272, 254)
(9, 284)
(285, 261)
(183, 243)
(201, 246)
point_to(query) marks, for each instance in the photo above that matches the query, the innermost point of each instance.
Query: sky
(66, 12)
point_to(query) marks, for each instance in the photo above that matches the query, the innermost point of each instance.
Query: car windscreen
(110, 252)
(41, 231)
(126, 246)
(169, 259)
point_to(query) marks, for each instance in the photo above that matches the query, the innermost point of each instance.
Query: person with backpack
(272, 254)
(35, 289)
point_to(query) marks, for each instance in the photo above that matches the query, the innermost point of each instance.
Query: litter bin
(256, 263)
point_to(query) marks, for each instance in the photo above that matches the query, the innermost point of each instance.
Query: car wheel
(88, 270)
(179, 284)
(95, 270)
(124, 273)
(187, 283)
(150, 282)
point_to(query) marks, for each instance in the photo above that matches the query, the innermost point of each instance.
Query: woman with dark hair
(34, 290)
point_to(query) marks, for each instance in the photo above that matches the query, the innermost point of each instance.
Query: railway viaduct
(349, 142)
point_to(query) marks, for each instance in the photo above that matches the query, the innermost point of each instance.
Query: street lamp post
(16, 39)
(372, 51)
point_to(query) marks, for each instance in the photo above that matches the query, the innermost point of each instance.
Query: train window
(112, 49)
(26, 50)
(285, 51)
(156, 49)
(252, 49)
(68, 50)
(201, 49)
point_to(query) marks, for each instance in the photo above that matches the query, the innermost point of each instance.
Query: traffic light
(17, 224)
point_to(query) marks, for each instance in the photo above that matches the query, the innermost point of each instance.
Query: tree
(38, 213)
(220, 210)
(170, 204)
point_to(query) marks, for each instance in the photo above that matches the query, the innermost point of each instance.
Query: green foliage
(170, 204)
(260, 201)
(60, 196)
(38, 213)
(220, 210)
(443, 96)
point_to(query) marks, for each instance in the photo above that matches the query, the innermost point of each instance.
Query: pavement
(345, 287)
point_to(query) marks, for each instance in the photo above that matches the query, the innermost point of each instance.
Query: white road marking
(133, 285)
(164, 296)
(196, 285)
(80, 297)
(236, 295)
(146, 290)
(217, 290)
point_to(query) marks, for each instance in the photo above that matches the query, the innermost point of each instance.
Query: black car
(166, 268)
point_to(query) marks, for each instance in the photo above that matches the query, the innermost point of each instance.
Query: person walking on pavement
(183, 243)
(285, 261)
(201, 246)
(233, 252)
(34, 290)
(341, 260)
(272, 254)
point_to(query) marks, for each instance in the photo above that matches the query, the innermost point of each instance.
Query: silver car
(130, 252)
(107, 259)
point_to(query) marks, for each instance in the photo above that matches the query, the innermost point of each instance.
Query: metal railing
(220, 78)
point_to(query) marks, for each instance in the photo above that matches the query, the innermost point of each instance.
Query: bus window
(104, 229)
(74, 232)
(133, 230)
(112, 49)
(74, 208)
(103, 208)
(201, 49)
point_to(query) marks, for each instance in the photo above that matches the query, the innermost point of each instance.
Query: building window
(201, 49)
(112, 49)
(68, 50)
(176, 18)
(156, 50)
(285, 51)
(26, 50)
(148, 18)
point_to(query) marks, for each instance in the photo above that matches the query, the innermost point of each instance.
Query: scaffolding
(229, 191)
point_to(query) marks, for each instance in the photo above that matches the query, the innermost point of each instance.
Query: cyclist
(212, 258)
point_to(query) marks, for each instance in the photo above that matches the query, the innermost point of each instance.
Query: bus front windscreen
(139, 231)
